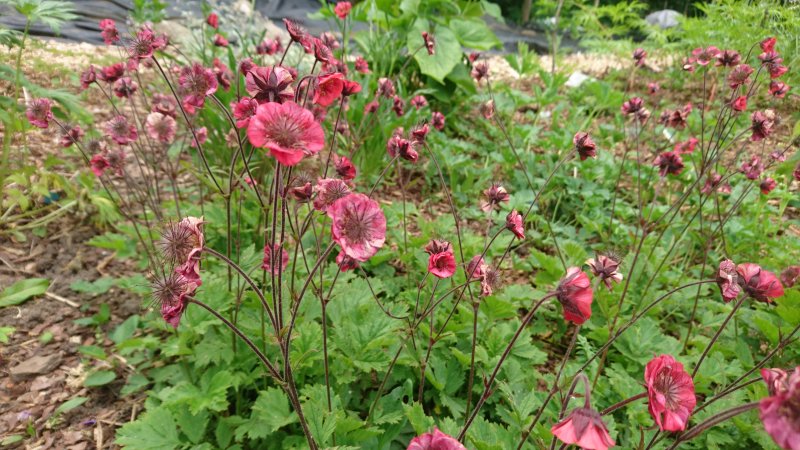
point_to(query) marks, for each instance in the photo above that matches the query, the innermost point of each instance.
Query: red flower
(398, 106)
(288, 130)
(268, 47)
(329, 39)
(437, 120)
(196, 83)
(328, 88)
(328, 191)
(350, 87)
(269, 84)
(243, 110)
(121, 131)
(514, 224)
(767, 185)
(605, 268)
(768, 44)
(495, 195)
(371, 107)
(125, 87)
(296, 32)
(677, 118)
(213, 20)
(728, 280)
(740, 104)
(796, 173)
(220, 41)
(359, 226)
(670, 393)
(435, 440)
(687, 147)
(160, 128)
(39, 113)
(780, 412)
(343, 9)
(345, 262)
(584, 145)
(777, 380)
(361, 65)
(776, 70)
(583, 427)
(759, 283)
(143, 45)
(397, 145)
(574, 292)
(344, 167)
(669, 163)
(322, 52)
(109, 31)
(762, 123)
(171, 291)
(430, 43)
(441, 262)
(704, 56)
(712, 183)
(88, 77)
(112, 73)
(790, 276)
(753, 168)
(99, 164)
(638, 56)
(419, 102)
(728, 58)
(266, 264)
(73, 135)
(632, 106)
(778, 89)
(739, 76)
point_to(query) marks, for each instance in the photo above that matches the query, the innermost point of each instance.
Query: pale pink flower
(584, 427)
(435, 440)
(670, 393)
(160, 127)
(359, 226)
(287, 130)
(121, 131)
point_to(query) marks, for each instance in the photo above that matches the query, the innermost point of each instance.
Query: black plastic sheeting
(86, 28)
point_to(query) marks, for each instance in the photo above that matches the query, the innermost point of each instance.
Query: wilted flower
(371, 107)
(200, 137)
(780, 411)
(430, 43)
(584, 145)
(574, 292)
(583, 427)
(638, 56)
(160, 127)
(605, 267)
(270, 84)
(328, 88)
(386, 87)
(343, 9)
(397, 145)
(441, 261)
(677, 118)
(359, 226)
(495, 195)
(778, 89)
(243, 110)
(767, 185)
(762, 123)
(514, 224)
(419, 102)
(39, 113)
(739, 76)
(491, 278)
(196, 83)
(112, 73)
(121, 131)
(437, 120)
(435, 440)
(652, 88)
(266, 264)
(752, 169)
(480, 70)
(71, 136)
(329, 190)
(632, 106)
(703, 56)
(728, 280)
(790, 276)
(170, 291)
(88, 77)
(477, 267)
(740, 104)
(344, 167)
(164, 104)
(99, 164)
(109, 31)
(487, 109)
(760, 284)
(669, 163)
(670, 393)
(288, 130)
(361, 65)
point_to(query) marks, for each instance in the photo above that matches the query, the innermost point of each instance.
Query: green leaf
(270, 413)
(99, 286)
(23, 290)
(5, 332)
(99, 378)
(93, 351)
(474, 33)
(154, 430)
(446, 56)
(125, 330)
(70, 405)
(417, 418)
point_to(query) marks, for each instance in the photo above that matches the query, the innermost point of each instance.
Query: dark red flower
(677, 118)
(767, 185)
(287, 130)
(514, 224)
(778, 89)
(270, 84)
(584, 145)
(713, 183)
(780, 413)
(330, 40)
(125, 87)
(728, 280)
(398, 106)
(121, 131)
(213, 20)
(762, 123)
(728, 58)
(790, 276)
(776, 70)
(358, 226)
(480, 70)
(753, 168)
(342, 9)
(328, 88)
(430, 43)
(606, 268)
(296, 32)
(770, 58)
(270, 262)
(638, 56)
(574, 292)
(397, 145)
(350, 87)
(669, 163)
(109, 31)
(220, 41)
(361, 65)
(223, 74)
(112, 73)
(196, 83)
(419, 133)
(73, 135)
(386, 88)
(495, 195)
(760, 284)
(419, 102)
(39, 113)
(243, 110)
(322, 52)
(740, 104)
(670, 393)
(703, 56)
(583, 427)
(739, 76)
(437, 120)
(344, 167)
(88, 77)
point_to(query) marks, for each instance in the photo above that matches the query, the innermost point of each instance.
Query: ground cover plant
(365, 240)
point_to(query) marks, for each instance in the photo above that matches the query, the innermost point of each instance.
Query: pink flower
(399, 146)
(160, 128)
(73, 135)
(223, 74)
(243, 110)
(88, 77)
(437, 120)
(386, 87)
(268, 47)
(739, 76)
(329, 190)
(480, 70)
(344, 167)
(322, 52)
(605, 268)
(652, 88)
(361, 65)
(776, 70)
(669, 163)
(267, 262)
(172, 291)
(728, 58)
(768, 44)
(495, 195)
(435, 440)
(328, 88)
(99, 164)
(121, 131)
(398, 106)
(345, 262)
(220, 41)
(477, 267)
(514, 224)
(712, 183)
(350, 87)
(670, 393)
(112, 73)
(686, 147)
(752, 169)
(584, 145)
(759, 283)
(202, 136)
(762, 123)
(164, 104)
(430, 43)
(213, 20)
(779, 413)
(296, 32)
(419, 102)
(270, 84)
(196, 83)
(359, 226)
(728, 280)
(246, 65)
(740, 104)
(442, 264)
(39, 113)
(777, 380)
(583, 427)
(778, 89)
(767, 185)
(574, 292)
(371, 107)
(638, 56)
(790, 276)
(343, 9)
(143, 45)
(632, 106)
(109, 31)
(288, 130)
(487, 109)
(704, 56)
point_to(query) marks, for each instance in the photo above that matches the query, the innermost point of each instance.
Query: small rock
(666, 18)
(577, 79)
(38, 365)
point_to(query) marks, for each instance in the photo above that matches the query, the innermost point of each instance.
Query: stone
(38, 365)
(666, 18)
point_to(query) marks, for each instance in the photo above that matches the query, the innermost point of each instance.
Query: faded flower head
(639, 55)
(270, 262)
(515, 225)
(196, 83)
(762, 124)
(287, 130)
(606, 268)
(574, 292)
(584, 145)
(487, 109)
(121, 131)
(790, 276)
(182, 242)
(669, 163)
(670, 393)
(583, 427)
(739, 76)
(160, 128)
(480, 70)
(495, 195)
(164, 104)
(170, 292)
(329, 190)
(269, 84)
(358, 226)
(430, 43)
(728, 280)
(39, 113)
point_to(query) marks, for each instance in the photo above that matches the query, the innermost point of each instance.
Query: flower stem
(717, 334)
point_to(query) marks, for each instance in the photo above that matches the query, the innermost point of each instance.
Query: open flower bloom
(669, 163)
(160, 127)
(196, 83)
(435, 440)
(266, 264)
(583, 427)
(99, 164)
(329, 190)
(762, 124)
(112, 73)
(670, 393)
(328, 88)
(270, 84)
(243, 110)
(739, 76)
(359, 226)
(605, 268)
(703, 56)
(109, 31)
(287, 130)
(441, 262)
(584, 145)
(728, 280)
(344, 167)
(752, 169)
(778, 89)
(780, 412)
(39, 113)
(759, 283)
(574, 292)
(121, 131)
(514, 224)
(767, 185)
(342, 9)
